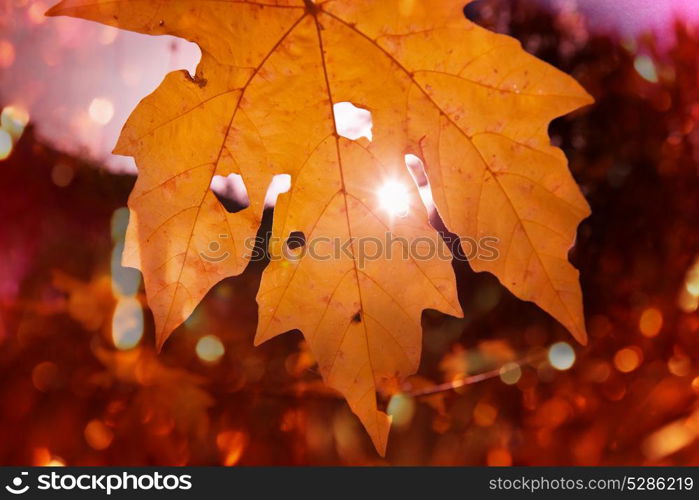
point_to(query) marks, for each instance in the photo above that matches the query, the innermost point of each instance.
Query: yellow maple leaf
(472, 104)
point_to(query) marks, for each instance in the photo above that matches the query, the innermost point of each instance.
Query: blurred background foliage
(80, 383)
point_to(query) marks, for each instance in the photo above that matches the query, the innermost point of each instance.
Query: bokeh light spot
(688, 300)
(484, 414)
(695, 384)
(680, 365)
(627, 359)
(671, 438)
(62, 174)
(13, 120)
(101, 110)
(232, 445)
(44, 376)
(98, 435)
(127, 323)
(5, 144)
(7, 54)
(510, 373)
(646, 68)
(402, 408)
(36, 12)
(651, 322)
(561, 356)
(210, 349)
(499, 457)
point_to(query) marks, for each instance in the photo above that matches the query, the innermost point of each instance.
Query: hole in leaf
(352, 122)
(231, 192)
(280, 184)
(296, 240)
(474, 11)
(417, 169)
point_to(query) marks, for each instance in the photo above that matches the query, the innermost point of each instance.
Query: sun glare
(394, 198)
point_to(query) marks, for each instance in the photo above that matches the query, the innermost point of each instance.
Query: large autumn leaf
(472, 104)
